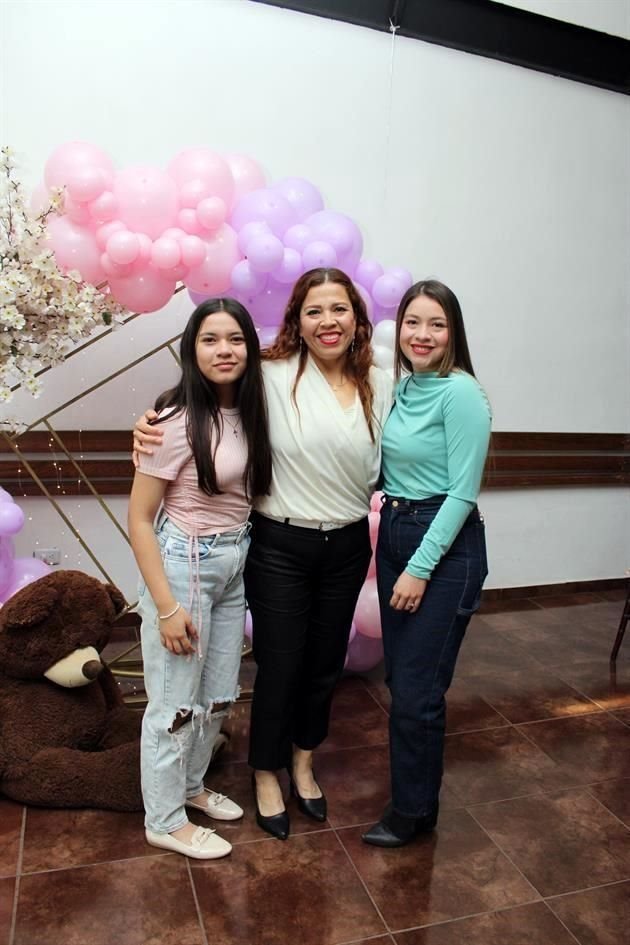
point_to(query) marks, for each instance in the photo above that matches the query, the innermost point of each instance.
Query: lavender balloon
(303, 196)
(264, 206)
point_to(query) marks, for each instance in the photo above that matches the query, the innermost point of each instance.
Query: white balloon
(385, 333)
(383, 357)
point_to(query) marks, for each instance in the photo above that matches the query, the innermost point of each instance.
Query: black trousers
(302, 587)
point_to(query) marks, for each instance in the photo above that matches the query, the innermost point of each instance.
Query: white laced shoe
(218, 806)
(205, 844)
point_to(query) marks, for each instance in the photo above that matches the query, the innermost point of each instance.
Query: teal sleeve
(467, 427)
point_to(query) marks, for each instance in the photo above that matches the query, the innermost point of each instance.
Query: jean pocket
(181, 549)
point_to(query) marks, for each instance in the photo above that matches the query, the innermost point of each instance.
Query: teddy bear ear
(19, 614)
(117, 598)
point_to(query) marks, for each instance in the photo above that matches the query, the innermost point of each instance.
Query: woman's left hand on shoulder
(408, 592)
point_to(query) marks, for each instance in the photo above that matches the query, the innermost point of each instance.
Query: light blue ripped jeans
(208, 569)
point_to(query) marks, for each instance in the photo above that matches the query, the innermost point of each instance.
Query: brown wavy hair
(358, 356)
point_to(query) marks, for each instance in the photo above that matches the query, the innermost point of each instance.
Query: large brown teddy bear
(66, 737)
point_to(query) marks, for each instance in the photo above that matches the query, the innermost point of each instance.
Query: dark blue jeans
(302, 587)
(421, 649)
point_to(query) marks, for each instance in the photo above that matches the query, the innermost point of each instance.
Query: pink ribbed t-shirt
(192, 510)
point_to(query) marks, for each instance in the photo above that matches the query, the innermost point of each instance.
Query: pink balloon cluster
(209, 221)
(14, 572)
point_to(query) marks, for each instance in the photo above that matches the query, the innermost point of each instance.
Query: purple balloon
(367, 272)
(318, 254)
(264, 206)
(11, 518)
(367, 298)
(249, 232)
(303, 196)
(387, 291)
(246, 280)
(265, 252)
(379, 313)
(6, 563)
(268, 308)
(289, 268)
(25, 571)
(298, 236)
(267, 335)
(343, 235)
(198, 297)
(403, 276)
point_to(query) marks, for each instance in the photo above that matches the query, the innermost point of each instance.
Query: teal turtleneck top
(435, 443)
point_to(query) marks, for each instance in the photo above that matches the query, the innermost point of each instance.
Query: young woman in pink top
(215, 460)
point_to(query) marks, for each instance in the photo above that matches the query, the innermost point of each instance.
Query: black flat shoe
(278, 825)
(380, 835)
(394, 830)
(315, 807)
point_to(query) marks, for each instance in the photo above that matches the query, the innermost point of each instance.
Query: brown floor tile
(596, 916)
(515, 606)
(60, 839)
(486, 651)
(272, 893)
(588, 747)
(623, 715)
(468, 710)
(137, 902)
(533, 924)
(529, 695)
(498, 764)
(615, 795)
(607, 685)
(356, 719)
(237, 726)
(380, 692)
(453, 872)
(235, 781)
(11, 815)
(561, 601)
(560, 842)
(7, 892)
(567, 642)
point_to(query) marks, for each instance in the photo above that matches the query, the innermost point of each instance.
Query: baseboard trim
(496, 595)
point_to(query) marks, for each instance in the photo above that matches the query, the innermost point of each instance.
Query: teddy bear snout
(91, 669)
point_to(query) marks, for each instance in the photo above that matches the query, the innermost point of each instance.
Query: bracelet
(173, 611)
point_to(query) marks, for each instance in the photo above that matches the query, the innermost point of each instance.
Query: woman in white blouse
(310, 547)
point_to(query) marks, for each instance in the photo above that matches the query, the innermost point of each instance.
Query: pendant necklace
(234, 426)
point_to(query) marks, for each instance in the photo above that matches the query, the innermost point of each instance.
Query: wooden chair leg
(625, 617)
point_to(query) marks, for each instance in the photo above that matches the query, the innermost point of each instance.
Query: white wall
(607, 16)
(509, 185)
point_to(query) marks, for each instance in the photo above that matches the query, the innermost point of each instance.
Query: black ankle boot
(277, 825)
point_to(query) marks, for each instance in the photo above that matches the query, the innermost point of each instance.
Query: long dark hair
(457, 354)
(195, 394)
(358, 356)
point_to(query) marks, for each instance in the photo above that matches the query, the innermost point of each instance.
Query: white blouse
(325, 465)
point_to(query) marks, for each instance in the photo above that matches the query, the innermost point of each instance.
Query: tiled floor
(532, 846)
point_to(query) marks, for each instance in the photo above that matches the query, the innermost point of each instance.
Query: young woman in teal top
(431, 554)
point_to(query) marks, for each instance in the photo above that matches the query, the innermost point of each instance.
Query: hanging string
(393, 29)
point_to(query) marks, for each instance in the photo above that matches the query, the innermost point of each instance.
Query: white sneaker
(218, 806)
(204, 844)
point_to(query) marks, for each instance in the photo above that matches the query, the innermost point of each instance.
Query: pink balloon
(367, 272)
(213, 274)
(123, 247)
(364, 653)
(193, 250)
(318, 253)
(76, 248)
(75, 156)
(211, 213)
(147, 199)
(298, 237)
(103, 208)
(25, 571)
(87, 183)
(303, 196)
(248, 629)
(265, 252)
(189, 222)
(245, 279)
(376, 503)
(114, 269)
(265, 206)
(374, 520)
(204, 167)
(104, 232)
(289, 268)
(77, 212)
(367, 615)
(146, 245)
(165, 253)
(246, 174)
(142, 291)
